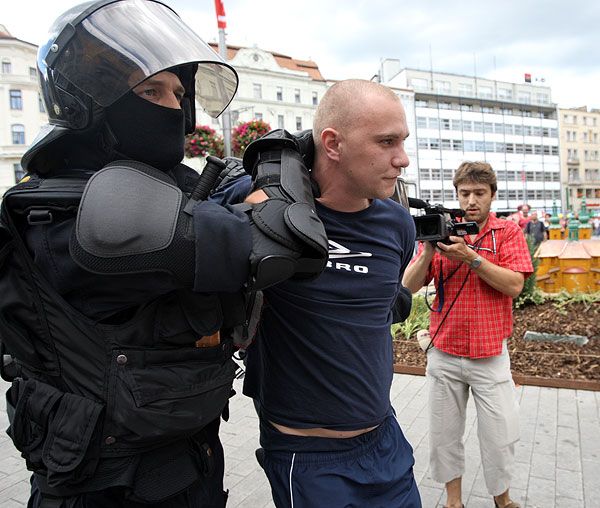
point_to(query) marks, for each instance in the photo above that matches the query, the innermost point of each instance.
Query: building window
(41, 104)
(6, 67)
(16, 99)
(542, 98)
(298, 123)
(18, 134)
(421, 122)
(19, 173)
(419, 83)
(280, 122)
(465, 89)
(32, 73)
(258, 116)
(297, 95)
(484, 92)
(315, 98)
(524, 97)
(504, 94)
(257, 90)
(442, 87)
(279, 93)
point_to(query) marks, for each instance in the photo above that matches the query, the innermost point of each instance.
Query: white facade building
(512, 126)
(21, 109)
(285, 92)
(282, 91)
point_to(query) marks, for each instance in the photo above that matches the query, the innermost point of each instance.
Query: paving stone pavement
(558, 456)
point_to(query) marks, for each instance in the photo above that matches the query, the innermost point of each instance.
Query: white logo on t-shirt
(337, 251)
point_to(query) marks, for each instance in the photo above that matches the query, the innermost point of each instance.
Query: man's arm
(501, 279)
(416, 272)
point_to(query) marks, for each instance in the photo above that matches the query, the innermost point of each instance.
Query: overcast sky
(556, 40)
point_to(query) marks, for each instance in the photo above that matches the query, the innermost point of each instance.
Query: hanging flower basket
(244, 133)
(204, 141)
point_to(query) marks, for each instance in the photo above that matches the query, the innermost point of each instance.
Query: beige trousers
(490, 380)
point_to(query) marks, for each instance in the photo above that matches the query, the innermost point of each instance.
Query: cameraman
(476, 279)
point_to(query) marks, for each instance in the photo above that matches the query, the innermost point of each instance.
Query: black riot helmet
(98, 51)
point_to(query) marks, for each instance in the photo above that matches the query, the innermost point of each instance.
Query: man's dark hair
(475, 172)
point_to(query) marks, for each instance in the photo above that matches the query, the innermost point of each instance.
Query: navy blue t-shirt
(323, 352)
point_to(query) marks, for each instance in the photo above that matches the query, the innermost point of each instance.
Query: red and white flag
(221, 22)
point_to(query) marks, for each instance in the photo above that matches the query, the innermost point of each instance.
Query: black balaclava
(147, 132)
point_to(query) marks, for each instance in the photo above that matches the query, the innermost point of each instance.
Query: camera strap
(442, 279)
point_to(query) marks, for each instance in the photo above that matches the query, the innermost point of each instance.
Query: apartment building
(512, 126)
(21, 108)
(580, 156)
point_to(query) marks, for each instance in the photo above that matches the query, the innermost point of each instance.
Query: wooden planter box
(571, 384)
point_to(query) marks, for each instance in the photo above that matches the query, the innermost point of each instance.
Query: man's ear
(330, 141)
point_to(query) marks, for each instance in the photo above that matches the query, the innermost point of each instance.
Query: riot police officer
(122, 286)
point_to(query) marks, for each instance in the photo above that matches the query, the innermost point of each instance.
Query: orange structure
(573, 266)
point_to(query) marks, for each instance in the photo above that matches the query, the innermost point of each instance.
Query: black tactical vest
(89, 399)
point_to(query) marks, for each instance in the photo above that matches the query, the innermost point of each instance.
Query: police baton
(208, 178)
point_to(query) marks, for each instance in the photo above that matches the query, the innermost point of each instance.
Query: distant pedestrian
(535, 229)
(524, 216)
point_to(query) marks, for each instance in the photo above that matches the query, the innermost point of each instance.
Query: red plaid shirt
(481, 317)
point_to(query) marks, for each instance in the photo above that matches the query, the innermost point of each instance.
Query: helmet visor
(121, 44)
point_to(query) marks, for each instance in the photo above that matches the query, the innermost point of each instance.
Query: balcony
(573, 160)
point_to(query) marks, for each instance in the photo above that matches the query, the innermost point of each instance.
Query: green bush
(417, 320)
(563, 299)
(531, 293)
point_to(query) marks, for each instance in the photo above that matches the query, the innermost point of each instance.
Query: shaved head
(343, 105)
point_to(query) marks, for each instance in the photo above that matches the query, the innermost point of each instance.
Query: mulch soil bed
(544, 363)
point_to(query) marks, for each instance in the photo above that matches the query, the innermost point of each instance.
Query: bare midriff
(322, 432)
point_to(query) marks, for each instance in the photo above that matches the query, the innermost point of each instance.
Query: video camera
(439, 223)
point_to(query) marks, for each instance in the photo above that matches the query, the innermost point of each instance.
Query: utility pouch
(56, 432)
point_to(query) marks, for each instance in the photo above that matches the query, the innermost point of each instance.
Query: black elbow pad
(289, 239)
